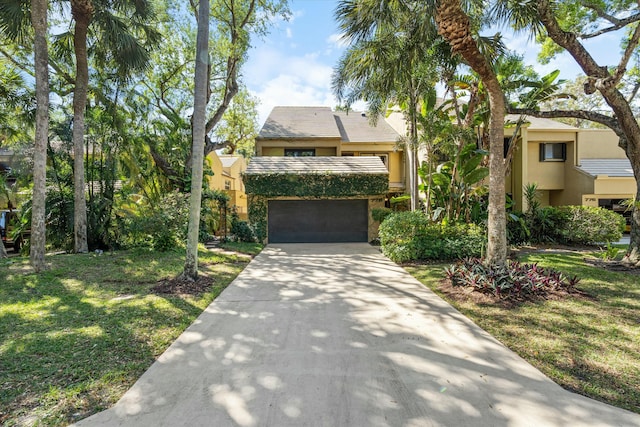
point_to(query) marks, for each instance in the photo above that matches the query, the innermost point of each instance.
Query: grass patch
(249, 248)
(587, 345)
(74, 338)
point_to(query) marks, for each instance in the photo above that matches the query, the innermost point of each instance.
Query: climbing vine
(258, 215)
(316, 185)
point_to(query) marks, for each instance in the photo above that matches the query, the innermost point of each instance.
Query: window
(553, 152)
(383, 157)
(227, 184)
(299, 152)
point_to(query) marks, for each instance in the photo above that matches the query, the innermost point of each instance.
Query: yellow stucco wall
(326, 151)
(272, 151)
(548, 175)
(216, 181)
(231, 174)
(599, 144)
(275, 147)
(614, 185)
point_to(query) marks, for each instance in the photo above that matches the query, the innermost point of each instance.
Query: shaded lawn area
(76, 337)
(587, 345)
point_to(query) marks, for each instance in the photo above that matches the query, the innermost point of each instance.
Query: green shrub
(587, 225)
(517, 231)
(406, 236)
(512, 279)
(379, 214)
(543, 224)
(164, 241)
(241, 230)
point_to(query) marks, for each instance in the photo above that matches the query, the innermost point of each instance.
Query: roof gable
(356, 127)
(321, 122)
(299, 122)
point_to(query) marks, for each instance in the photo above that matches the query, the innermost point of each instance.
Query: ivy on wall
(315, 185)
(257, 210)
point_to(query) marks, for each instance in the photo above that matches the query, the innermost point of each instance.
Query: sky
(292, 65)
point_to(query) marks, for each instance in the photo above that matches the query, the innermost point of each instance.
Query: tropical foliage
(135, 129)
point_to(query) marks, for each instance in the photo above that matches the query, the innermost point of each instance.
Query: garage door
(318, 221)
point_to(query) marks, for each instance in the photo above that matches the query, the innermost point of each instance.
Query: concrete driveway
(337, 335)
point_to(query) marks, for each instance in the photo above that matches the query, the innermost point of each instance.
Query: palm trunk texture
(455, 27)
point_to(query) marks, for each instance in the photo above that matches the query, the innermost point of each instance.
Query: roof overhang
(316, 177)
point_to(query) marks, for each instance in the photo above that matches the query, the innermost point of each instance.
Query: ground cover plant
(512, 280)
(587, 342)
(74, 338)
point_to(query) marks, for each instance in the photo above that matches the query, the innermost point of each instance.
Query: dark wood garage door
(318, 221)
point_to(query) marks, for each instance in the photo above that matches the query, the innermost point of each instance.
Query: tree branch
(22, 67)
(592, 116)
(631, 47)
(618, 23)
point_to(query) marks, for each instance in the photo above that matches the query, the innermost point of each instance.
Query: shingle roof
(540, 123)
(370, 165)
(300, 122)
(610, 167)
(355, 127)
(321, 122)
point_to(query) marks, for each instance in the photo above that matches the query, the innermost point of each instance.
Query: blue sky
(293, 64)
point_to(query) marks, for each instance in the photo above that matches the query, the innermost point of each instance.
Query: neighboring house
(227, 176)
(571, 166)
(317, 175)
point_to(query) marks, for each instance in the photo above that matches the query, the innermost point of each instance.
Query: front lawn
(587, 344)
(74, 338)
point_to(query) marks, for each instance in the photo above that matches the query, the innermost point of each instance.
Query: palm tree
(120, 27)
(455, 26)
(38, 230)
(15, 18)
(389, 61)
(201, 80)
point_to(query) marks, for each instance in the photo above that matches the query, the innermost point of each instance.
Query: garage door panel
(308, 221)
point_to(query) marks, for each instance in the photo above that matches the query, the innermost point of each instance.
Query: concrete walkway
(337, 335)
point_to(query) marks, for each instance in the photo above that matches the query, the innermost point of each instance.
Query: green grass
(243, 247)
(74, 338)
(587, 345)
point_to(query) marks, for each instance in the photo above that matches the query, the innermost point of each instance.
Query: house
(571, 166)
(227, 177)
(318, 173)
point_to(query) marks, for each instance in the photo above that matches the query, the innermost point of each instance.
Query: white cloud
(338, 40)
(293, 90)
(289, 32)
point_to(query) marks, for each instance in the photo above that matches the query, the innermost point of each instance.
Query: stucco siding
(548, 175)
(614, 185)
(599, 144)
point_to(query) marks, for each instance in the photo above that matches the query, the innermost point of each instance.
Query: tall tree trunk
(38, 231)
(601, 79)
(82, 11)
(199, 131)
(3, 250)
(455, 27)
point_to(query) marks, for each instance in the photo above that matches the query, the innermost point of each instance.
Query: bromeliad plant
(511, 280)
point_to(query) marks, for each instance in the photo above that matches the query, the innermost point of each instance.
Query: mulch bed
(466, 294)
(181, 286)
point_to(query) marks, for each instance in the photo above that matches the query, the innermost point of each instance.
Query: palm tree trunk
(38, 231)
(199, 125)
(82, 11)
(455, 27)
